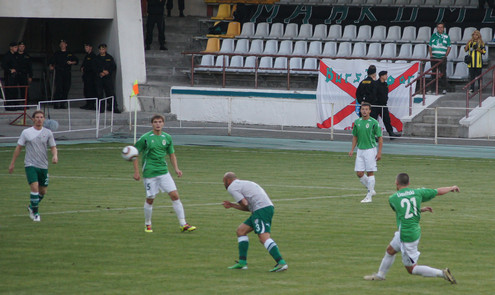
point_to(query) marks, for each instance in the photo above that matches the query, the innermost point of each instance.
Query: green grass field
(91, 238)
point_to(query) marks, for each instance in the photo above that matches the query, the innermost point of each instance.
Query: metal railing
(433, 71)
(271, 71)
(480, 87)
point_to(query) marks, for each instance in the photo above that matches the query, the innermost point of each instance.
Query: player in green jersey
(406, 203)
(364, 132)
(153, 146)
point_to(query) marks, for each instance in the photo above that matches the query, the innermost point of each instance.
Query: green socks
(35, 200)
(243, 248)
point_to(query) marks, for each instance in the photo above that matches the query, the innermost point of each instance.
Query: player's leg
(369, 156)
(243, 244)
(150, 185)
(262, 220)
(410, 256)
(43, 180)
(34, 199)
(167, 184)
(359, 167)
(387, 260)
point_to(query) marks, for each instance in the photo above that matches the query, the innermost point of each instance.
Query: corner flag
(135, 89)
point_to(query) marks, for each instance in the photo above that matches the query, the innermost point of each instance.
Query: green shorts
(39, 175)
(261, 220)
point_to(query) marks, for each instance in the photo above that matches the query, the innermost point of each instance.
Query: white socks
(148, 209)
(179, 210)
(427, 271)
(371, 183)
(387, 262)
(364, 180)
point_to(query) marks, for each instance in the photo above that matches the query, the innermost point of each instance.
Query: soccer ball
(129, 153)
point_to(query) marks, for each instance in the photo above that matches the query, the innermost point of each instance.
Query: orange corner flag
(135, 89)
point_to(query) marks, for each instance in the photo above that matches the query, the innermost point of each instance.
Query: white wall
(262, 109)
(481, 121)
(124, 34)
(58, 8)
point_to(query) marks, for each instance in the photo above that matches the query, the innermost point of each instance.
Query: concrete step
(428, 130)
(430, 119)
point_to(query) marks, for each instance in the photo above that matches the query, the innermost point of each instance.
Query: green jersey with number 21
(407, 206)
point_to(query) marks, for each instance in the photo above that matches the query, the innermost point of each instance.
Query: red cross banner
(337, 84)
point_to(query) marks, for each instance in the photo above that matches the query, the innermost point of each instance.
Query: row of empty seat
(336, 32)
(334, 49)
(297, 65)
(413, 3)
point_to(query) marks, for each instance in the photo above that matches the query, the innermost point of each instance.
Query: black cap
(102, 45)
(21, 43)
(371, 70)
(63, 40)
(87, 44)
(12, 44)
(382, 73)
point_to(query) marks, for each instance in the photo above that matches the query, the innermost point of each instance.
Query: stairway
(450, 109)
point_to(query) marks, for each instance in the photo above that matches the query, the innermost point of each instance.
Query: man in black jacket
(25, 65)
(88, 70)
(381, 101)
(155, 16)
(105, 69)
(366, 90)
(61, 62)
(10, 65)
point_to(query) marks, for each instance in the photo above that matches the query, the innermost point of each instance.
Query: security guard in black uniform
(170, 5)
(155, 16)
(105, 68)
(88, 70)
(10, 65)
(61, 62)
(25, 65)
(366, 90)
(382, 100)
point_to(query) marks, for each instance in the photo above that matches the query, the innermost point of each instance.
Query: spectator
(366, 90)
(491, 3)
(381, 101)
(105, 68)
(10, 65)
(476, 48)
(61, 62)
(88, 70)
(170, 5)
(439, 48)
(155, 16)
(25, 65)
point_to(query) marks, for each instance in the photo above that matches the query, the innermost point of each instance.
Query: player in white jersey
(36, 139)
(249, 196)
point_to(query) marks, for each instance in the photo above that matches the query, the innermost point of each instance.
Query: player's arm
(242, 205)
(173, 161)
(16, 154)
(447, 189)
(354, 143)
(54, 151)
(380, 145)
(424, 209)
(135, 164)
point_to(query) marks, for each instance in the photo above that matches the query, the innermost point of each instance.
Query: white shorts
(366, 160)
(410, 253)
(161, 183)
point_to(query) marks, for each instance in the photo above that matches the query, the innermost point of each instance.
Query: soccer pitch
(91, 238)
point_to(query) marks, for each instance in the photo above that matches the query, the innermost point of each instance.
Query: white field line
(219, 183)
(189, 205)
(262, 151)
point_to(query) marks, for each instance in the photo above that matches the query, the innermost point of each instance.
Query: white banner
(339, 79)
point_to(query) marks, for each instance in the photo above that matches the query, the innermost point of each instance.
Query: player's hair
(403, 179)
(157, 117)
(441, 23)
(366, 104)
(38, 112)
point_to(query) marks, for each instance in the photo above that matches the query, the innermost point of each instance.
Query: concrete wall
(265, 107)
(481, 121)
(122, 31)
